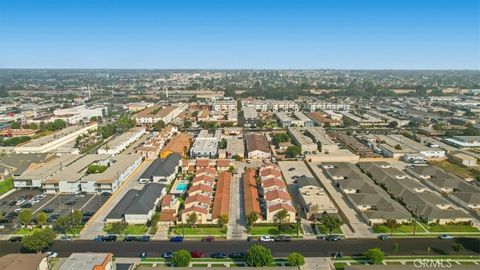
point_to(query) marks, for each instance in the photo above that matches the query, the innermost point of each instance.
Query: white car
(20, 202)
(52, 254)
(18, 210)
(34, 201)
(445, 237)
(267, 239)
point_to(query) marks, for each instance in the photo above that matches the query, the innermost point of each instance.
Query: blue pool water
(181, 187)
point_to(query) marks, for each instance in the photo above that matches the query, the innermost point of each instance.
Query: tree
(187, 124)
(251, 219)
(26, 216)
(293, 151)
(192, 219)
(457, 247)
(15, 125)
(281, 216)
(237, 157)
(347, 121)
(330, 222)
(258, 256)
(398, 147)
(33, 126)
(118, 227)
(222, 220)
(392, 224)
(393, 124)
(260, 124)
(41, 219)
(39, 240)
(181, 258)
(64, 224)
(375, 255)
(76, 219)
(280, 138)
(222, 144)
(159, 126)
(295, 259)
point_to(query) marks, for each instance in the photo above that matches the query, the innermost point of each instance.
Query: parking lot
(292, 170)
(54, 205)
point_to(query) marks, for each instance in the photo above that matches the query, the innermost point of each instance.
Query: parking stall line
(45, 204)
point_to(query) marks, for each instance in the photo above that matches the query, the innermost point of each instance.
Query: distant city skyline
(246, 34)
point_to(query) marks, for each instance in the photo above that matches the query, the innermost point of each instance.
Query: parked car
(237, 255)
(143, 255)
(196, 254)
(88, 214)
(53, 217)
(129, 238)
(208, 239)
(291, 169)
(333, 237)
(70, 203)
(15, 239)
(320, 237)
(66, 238)
(267, 238)
(20, 202)
(109, 238)
(51, 254)
(383, 237)
(167, 255)
(18, 210)
(176, 239)
(283, 238)
(218, 255)
(13, 203)
(26, 205)
(80, 195)
(445, 237)
(98, 238)
(144, 238)
(337, 254)
(48, 210)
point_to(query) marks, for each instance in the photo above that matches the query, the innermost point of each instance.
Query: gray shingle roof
(162, 167)
(307, 181)
(144, 200)
(119, 209)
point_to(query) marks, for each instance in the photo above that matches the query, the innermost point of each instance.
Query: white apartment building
(121, 142)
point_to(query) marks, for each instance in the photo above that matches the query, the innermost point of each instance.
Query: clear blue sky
(382, 34)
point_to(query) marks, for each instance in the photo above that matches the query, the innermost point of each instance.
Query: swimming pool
(181, 187)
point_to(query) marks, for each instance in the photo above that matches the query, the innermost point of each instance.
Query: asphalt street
(309, 248)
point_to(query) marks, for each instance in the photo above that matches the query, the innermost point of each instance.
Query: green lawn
(273, 230)
(323, 230)
(137, 229)
(451, 228)
(6, 185)
(404, 228)
(199, 231)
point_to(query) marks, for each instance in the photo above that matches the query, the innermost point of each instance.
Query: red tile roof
(167, 215)
(203, 178)
(198, 198)
(277, 194)
(280, 206)
(196, 208)
(223, 163)
(167, 199)
(250, 191)
(273, 182)
(201, 187)
(221, 204)
(202, 163)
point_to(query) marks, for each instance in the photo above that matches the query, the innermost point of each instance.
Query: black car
(53, 217)
(12, 203)
(109, 238)
(48, 210)
(70, 203)
(333, 238)
(144, 238)
(11, 215)
(26, 205)
(129, 239)
(218, 255)
(237, 255)
(88, 214)
(85, 219)
(15, 239)
(105, 194)
(283, 238)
